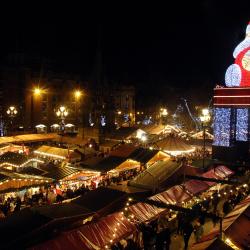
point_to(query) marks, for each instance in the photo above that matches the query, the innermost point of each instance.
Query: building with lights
(232, 107)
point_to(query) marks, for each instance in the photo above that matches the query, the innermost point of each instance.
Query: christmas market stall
(174, 145)
(98, 235)
(200, 136)
(9, 147)
(57, 154)
(156, 175)
(28, 138)
(16, 161)
(106, 232)
(16, 184)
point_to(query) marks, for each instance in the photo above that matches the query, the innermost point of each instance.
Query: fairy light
(48, 154)
(222, 126)
(233, 76)
(21, 165)
(242, 125)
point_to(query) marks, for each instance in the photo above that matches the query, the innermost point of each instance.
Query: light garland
(48, 154)
(22, 165)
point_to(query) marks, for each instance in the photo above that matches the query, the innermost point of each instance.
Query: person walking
(187, 231)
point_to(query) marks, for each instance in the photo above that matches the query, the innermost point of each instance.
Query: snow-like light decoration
(238, 74)
(103, 120)
(233, 76)
(242, 125)
(91, 123)
(222, 126)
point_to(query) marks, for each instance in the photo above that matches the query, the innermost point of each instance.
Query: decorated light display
(238, 74)
(231, 107)
(242, 124)
(222, 126)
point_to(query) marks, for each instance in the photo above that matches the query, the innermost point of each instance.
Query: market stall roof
(71, 139)
(155, 175)
(143, 155)
(200, 135)
(17, 225)
(32, 171)
(174, 145)
(242, 226)
(124, 151)
(56, 152)
(28, 138)
(122, 133)
(177, 194)
(13, 158)
(56, 211)
(144, 211)
(106, 164)
(100, 199)
(223, 171)
(195, 186)
(58, 172)
(154, 129)
(92, 236)
(13, 181)
(128, 164)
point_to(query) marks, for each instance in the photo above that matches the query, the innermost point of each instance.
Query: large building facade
(232, 107)
(96, 106)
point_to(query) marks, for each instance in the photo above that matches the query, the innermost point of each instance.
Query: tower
(232, 107)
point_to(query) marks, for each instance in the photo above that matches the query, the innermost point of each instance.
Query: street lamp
(35, 93)
(77, 95)
(205, 118)
(62, 113)
(163, 115)
(11, 112)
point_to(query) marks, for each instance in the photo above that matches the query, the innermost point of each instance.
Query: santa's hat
(248, 28)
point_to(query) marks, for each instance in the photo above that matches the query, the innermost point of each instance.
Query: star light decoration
(242, 125)
(222, 126)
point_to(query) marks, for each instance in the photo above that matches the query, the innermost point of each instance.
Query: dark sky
(174, 44)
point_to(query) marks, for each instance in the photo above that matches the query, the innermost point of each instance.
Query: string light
(233, 76)
(222, 126)
(242, 125)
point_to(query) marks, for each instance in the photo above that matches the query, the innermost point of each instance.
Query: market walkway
(177, 242)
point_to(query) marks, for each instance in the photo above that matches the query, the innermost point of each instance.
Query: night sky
(151, 46)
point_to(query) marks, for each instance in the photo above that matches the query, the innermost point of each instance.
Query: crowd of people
(54, 194)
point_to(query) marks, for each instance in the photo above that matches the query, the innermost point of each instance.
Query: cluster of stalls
(58, 165)
(34, 224)
(119, 225)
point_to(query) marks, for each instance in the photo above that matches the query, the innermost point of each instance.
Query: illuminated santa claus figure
(238, 74)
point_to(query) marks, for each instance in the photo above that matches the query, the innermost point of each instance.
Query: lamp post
(77, 96)
(205, 118)
(36, 92)
(163, 115)
(11, 112)
(62, 113)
